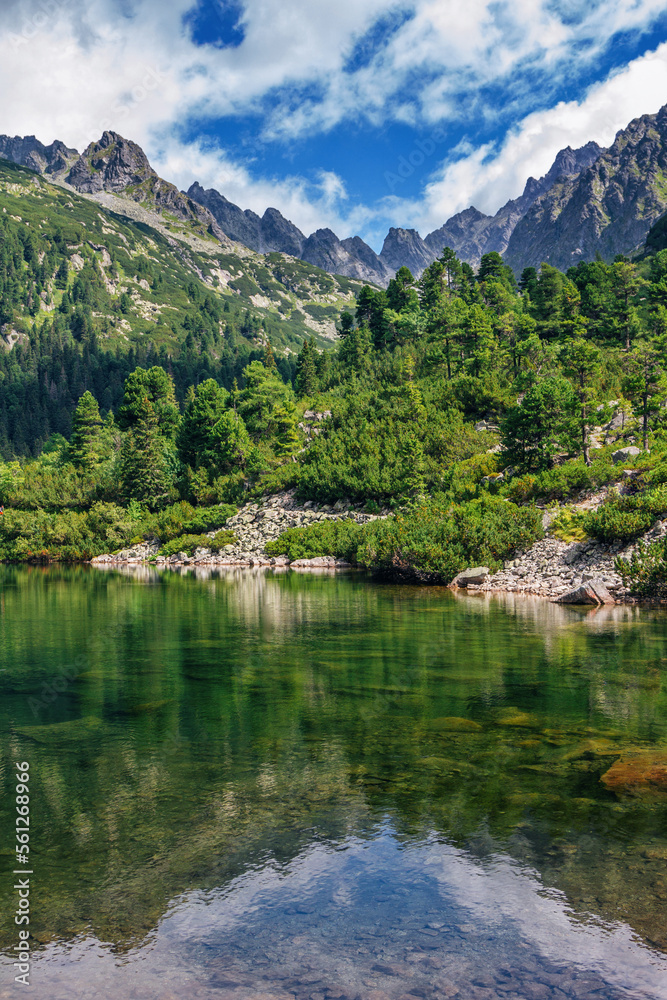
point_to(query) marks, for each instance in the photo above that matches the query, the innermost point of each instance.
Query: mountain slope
(93, 285)
(472, 234)
(607, 209)
(287, 299)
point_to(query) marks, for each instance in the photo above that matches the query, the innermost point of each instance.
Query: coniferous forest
(459, 400)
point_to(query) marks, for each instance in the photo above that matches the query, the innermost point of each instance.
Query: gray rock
(625, 454)
(475, 575)
(406, 248)
(591, 592)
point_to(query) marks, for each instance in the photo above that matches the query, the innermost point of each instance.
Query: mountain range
(591, 201)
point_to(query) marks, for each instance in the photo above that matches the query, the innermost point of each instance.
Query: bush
(210, 518)
(645, 574)
(325, 538)
(182, 518)
(563, 481)
(188, 543)
(433, 540)
(568, 526)
(68, 536)
(622, 518)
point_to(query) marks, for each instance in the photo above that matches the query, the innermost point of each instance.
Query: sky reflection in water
(321, 788)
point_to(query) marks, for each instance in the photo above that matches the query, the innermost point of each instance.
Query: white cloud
(488, 178)
(74, 67)
(310, 205)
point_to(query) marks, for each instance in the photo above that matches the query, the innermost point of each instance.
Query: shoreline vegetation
(455, 418)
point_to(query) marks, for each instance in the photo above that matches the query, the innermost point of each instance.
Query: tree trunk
(645, 422)
(584, 437)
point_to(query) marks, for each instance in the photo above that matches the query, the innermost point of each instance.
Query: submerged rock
(592, 592)
(454, 724)
(474, 575)
(640, 771)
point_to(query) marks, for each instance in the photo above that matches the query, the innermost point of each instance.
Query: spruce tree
(85, 442)
(286, 435)
(306, 370)
(143, 467)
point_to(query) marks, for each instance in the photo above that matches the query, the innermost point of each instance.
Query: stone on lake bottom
(475, 575)
(643, 770)
(593, 592)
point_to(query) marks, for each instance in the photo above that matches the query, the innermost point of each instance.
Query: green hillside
(87, 293)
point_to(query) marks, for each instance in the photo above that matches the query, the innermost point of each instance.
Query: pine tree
(286, 435)
(143, 468)
(581, 365)
(645, 384)
(306, 370)
(85, 442)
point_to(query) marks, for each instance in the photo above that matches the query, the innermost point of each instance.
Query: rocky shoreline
(551, 568)
(567, 572)
(254, 526)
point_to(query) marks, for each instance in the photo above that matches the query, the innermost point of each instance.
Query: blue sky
(358, 114)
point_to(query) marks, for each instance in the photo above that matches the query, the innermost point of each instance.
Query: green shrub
(435, 540)
(324, 538)
(67, 536)
(568, 526)
(182, 518)
(461, 481)
(210, 518)
(645, 574)
(622, 518)
(188, 543)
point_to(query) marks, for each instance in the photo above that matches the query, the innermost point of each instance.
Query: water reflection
(372, 918)
(336, 776)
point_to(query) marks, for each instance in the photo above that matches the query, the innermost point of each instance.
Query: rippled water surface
(257, 787)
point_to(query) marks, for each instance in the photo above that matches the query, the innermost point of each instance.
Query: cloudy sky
(353, 114)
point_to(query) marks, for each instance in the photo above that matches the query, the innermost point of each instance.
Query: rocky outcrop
(609, 208)
(352, 257)
(246, 227)
(112, 164)
(593, 592)
(470, 577)
(278, 233)
(472, 234)
(118, 166)
(406, 248)
(625, 455)
(27, 151)
(254, 526)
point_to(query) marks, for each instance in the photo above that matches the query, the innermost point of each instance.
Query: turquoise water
(249, 785)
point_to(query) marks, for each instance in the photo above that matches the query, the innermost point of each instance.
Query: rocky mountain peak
(278, 233)
(112, 164)
(406, 248)
(607, 208)
(29, 152)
